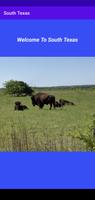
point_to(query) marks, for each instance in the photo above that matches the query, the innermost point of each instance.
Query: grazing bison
(65, 102)
(40, 99)
(57, 104)
(19, 106)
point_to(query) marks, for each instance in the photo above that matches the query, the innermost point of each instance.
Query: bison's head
(18, 103)
(33, 100)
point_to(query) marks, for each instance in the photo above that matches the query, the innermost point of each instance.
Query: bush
(18, 88)
(89, 139)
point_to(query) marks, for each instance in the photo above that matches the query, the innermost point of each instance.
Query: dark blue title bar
(47, 3)
(47, 38)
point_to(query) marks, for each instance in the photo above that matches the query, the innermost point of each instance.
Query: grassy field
(62, 129)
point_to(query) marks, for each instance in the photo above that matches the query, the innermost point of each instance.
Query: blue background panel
(82, 29)
(47, 170)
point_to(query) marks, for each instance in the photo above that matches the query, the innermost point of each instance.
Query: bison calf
(19, 106)
(65, 102)
(57, 104)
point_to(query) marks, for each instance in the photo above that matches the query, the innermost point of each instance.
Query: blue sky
(48, 71)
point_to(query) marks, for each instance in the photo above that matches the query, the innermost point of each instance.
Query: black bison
(65, 102)
(57, 104)
(19, 106)
(40, 99)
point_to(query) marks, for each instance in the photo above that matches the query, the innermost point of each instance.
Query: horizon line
(59, 86)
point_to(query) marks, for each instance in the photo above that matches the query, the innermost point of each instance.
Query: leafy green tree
(18, 88)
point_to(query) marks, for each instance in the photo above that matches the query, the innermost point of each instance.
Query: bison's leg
(50, 106)
(54, 105)
(41, 105)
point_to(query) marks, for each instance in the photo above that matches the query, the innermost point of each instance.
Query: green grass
(47, 130)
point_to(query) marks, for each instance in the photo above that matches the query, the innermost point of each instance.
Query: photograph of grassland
(49, 125)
